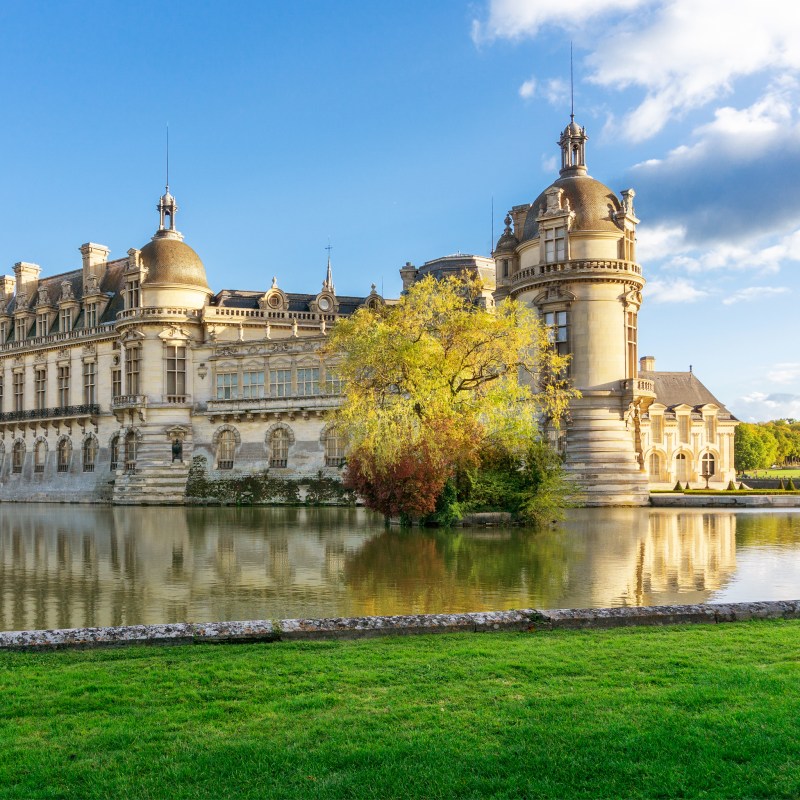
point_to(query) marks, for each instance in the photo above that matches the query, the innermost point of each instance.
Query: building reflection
(71, 566)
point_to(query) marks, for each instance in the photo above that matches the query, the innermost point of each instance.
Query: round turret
(171, 262)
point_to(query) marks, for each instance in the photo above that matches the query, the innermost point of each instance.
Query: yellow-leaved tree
(434, 381)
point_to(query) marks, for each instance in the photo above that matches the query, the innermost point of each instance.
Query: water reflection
(68, 566)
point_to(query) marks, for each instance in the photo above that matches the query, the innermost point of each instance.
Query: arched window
(115, 453)
(279, 448)
(654, 467)
(709, 464)
(334, 448)
(130, 452)
(681, 468)
(89, 454)
(226, 449)
(64, 455)
(17, 456)
(39, 455)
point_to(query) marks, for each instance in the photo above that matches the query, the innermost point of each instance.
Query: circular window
(274, 301)
(324, 304)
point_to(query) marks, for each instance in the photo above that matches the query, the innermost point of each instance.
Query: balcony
(640, 387)
(263, 408)
(155, 313)
(127, 405)
(84, 415)
(58, 338)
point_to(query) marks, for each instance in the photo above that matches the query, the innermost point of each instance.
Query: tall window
(657, 429)
(19, 391)
(89, 382)
(227, 386)
(133, 357)
(558, 323)
(630, 330)
(226, 448)
(40, 384)
(279, 448)
(2, 389)
(63, 385)
(280, 382)
(17, 456)
(253, 384)
(39, 455)
(711, 430)
(89, 454)
(334, 448)
(66, 320)
(555, 244)
(176, 373)
(42, 326)
(21, 329)
(709, 464)
(131, 293)
(90, 315)
(64, 455)
(130, 452)
(683, 429)
(333, 383)
(654, 467)
(308, 381)
(3, 331)
(629, 246)
(116, 382)
(115, 452)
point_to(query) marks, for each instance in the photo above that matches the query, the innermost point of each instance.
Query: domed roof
(170, 261)
(593, 203)
(507, 243)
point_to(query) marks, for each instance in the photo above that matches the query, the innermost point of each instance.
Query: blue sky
(390, 128)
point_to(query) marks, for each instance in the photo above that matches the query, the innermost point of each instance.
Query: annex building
(115, 375)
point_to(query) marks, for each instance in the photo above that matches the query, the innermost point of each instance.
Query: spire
(328, 282)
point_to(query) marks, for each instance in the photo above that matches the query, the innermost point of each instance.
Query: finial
(274, 281)
(372, 287)
(507, 221)
(328, 282)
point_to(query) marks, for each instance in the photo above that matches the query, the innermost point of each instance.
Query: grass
(695, 711)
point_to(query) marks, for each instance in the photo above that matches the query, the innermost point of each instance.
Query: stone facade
(114, 376)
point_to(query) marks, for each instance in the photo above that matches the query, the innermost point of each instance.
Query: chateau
(115, 375)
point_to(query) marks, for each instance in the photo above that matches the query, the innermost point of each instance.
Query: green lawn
(695, 711)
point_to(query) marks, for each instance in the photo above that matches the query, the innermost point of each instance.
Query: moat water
(70, 566)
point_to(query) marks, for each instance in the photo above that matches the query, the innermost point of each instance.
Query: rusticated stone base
(530, 620)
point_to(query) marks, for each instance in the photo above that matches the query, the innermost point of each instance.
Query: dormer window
(90, 320)
(42, 323)
(66, 320)
(555, 244)
(132, 294)
(21, 329)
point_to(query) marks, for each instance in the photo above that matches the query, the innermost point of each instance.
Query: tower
(571, 256)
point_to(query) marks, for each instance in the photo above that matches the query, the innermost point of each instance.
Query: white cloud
(528, 88)
(702, 49)
(787, 372)
(754, 293)
(652, 241)
(517, 19)
(760, 406)
(679, 290)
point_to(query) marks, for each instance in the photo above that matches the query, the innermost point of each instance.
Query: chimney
(7, 284)
(647, 364)
(408, 273)
(27, 278)
(95, 257)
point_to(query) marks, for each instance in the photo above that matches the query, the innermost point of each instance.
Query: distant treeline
(764, 444)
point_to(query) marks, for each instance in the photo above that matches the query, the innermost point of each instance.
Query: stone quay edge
(529, 620)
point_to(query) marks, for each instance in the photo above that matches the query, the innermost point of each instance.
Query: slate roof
(683, 388)
(237, 298)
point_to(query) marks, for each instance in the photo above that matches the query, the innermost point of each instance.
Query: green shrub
(790, 485)
(678, 487)
(731, 487)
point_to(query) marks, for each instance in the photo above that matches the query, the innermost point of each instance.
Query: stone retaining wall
(723, 500)
(530, 620)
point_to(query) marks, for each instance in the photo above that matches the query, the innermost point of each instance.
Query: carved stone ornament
(92, 286)
(89, 349)
(40, 358)
(173, 332)
(62, 355)
(18, 361)
(43, 300)
(66, 291)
